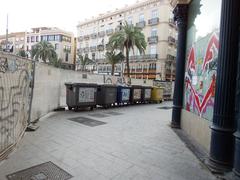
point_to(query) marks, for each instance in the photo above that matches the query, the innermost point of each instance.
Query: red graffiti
(209, 56)
(191, 60)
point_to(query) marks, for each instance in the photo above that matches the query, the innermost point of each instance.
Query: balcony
(143, 57)
(93, 48)
(109, 32)
(171, 22)
(172, 40)
(80, 38)
(153, 21)
(94, 35)
(100, 47)
(171, 57)
(86, 49)
(101, 34)
(153, 39)
(86, 37)
(141, 24)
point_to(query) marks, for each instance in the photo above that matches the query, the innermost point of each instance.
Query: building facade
(64, 42)
(155, 19)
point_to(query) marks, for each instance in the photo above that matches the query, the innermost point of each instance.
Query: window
(28, 38)
(56, 46)
(154, 13)
(154, 32)
(57, 37)
(130, 20)
(37, 38)
(141, 17)
(93, 56)
(22, 38)
(17, 39)
(32, 38)
(153, 49)
(43, 38)
(51, 38)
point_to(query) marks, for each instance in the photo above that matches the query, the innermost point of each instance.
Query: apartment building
(16, 41)
(155, 19)
(62, 41)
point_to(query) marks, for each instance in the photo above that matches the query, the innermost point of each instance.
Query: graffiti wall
(201, 57)
(15, 92)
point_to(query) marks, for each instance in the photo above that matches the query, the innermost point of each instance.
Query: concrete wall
(197, 128)
(49, 89)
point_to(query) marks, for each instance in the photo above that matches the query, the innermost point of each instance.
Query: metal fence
(16, 79)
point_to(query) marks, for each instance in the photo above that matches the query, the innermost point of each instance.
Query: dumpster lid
(147, 87)
(84, 84)
(137, 86)
(107, 85)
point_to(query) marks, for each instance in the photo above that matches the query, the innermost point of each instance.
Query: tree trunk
(113, 66)
(127, 62)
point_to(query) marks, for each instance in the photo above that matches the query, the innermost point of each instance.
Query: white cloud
(65, 14)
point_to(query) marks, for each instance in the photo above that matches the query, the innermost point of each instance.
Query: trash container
(136, 94)
(123, 95)
(146, 94)
(157, 95)
(80, 95)
(106, 95)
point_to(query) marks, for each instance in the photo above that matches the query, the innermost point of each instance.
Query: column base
(236, 169)
(176, 117)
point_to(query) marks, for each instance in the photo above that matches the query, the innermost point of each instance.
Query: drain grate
(113, 113)
(165, 107)
(87, 121)
(98, 115)
(45, 171)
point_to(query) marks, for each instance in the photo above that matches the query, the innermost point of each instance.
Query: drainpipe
(180, 16)
(223, 127)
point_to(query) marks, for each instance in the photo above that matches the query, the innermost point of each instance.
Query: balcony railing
(109, 31)
(93, 48)
(101, 34)
(141, 24)
(100, 47)
(86, 49)
(171, 22)
(153, 21)
(170, 57)
(93, 35)
(118, 28)
(80, 50)
(144, 57)
(153, 39)
(86, 37)
(171, 40)
(80, 38)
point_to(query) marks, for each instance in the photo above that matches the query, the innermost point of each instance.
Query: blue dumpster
(123, 95)
(136, 94)
(106, 95)
(80, 95)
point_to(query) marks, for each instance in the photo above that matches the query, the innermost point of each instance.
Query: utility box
(80, 95)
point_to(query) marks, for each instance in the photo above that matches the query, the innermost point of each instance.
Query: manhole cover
(87, 121)
(165, 107)
(45, 171)
(98, 115)
(113, 113)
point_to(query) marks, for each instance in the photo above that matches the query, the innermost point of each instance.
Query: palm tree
(83, 61)
(44, 51)
(113, 59)
(22, 53)
(126, 39)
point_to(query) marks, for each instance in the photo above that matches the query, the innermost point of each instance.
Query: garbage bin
(136, 94)
(80, 95)
(146, 94)
(157, 95)
(123, 95)
(106, 95)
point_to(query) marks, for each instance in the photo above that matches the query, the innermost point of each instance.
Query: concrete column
(180, 16)
(223, 127)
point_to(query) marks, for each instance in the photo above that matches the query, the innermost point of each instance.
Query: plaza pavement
(135, 144)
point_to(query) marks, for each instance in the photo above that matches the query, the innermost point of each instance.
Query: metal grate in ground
(87, 121)
(113, 113)
(165, 107)
(45, 171)
(98, 115)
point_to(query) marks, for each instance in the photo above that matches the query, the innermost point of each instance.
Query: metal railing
(153, 21)
(141, 24)
(153, 39)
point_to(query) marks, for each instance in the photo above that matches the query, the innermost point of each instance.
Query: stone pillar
(180, 16)
(222, 140)
(237, 134)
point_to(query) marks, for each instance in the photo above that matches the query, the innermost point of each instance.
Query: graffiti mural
(200, 76)
(16, 76)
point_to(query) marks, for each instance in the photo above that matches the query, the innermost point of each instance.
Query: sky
(65, 14)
